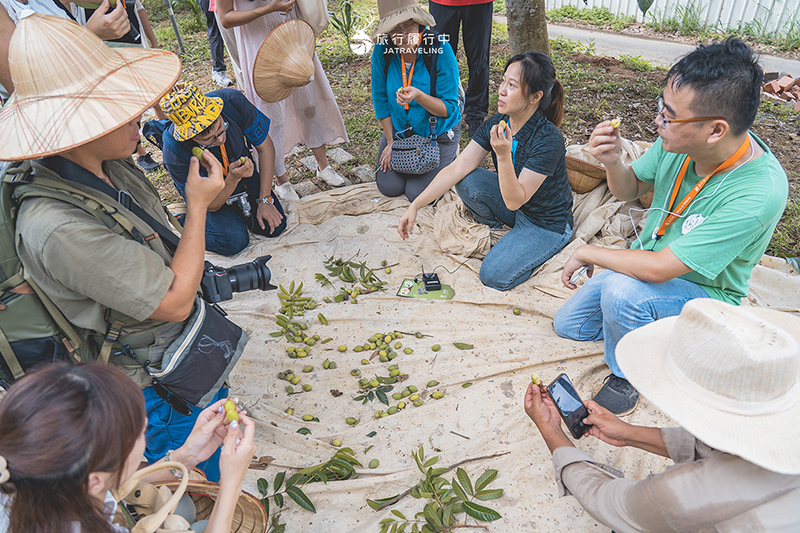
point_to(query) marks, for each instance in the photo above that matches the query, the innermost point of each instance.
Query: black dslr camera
(219, 284)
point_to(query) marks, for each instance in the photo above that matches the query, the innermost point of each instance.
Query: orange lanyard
(696, 189)
(224, 160)
(410, 75)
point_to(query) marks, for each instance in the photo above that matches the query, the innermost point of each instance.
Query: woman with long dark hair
(70, 434)
(530, 191)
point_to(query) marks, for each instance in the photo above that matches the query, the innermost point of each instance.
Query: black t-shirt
(540, 148)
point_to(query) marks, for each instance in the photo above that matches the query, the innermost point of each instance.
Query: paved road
(653, 50)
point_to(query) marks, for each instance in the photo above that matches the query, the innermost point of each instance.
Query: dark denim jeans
(512, 260)
(226, 229)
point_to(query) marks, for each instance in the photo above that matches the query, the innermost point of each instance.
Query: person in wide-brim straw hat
(90, 229)
(392, 13)
(730, 377)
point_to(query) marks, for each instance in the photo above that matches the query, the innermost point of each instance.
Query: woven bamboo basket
(249, 516)
(584, 176)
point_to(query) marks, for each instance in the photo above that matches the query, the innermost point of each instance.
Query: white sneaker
(286, 192)
(221, 79)
(330, 176)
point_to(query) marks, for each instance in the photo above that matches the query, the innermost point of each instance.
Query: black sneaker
(617, 395)
(146, 163)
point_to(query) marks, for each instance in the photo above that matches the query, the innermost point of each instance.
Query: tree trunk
(527, 26)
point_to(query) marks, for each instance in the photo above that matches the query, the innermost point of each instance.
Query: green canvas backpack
(32, 329)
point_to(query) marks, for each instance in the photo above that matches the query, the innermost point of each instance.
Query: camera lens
(249, 276)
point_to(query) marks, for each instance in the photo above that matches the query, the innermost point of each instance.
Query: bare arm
(465, 163)
(187, 263)
(644, 265)
(267, 213)
(147, 28)
(231, 18)
(516, 191)
(6, 29)
(604, 144)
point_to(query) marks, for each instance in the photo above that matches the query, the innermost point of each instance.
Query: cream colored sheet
(358, 222)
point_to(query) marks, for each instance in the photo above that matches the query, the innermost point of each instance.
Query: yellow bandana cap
(190, 110)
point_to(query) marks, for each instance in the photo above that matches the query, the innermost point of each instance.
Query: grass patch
(596, 16)
(637, 63)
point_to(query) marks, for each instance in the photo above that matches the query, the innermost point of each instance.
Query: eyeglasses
(665, 121)
(174, 401)
(217, 136)
(408, 27)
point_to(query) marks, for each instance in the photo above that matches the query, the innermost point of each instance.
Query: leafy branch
(338, 467)
(446, 499)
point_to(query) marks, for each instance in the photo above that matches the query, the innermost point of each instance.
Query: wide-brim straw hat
(71, 88)
(394, 12)
(728, 375)
(285, 60)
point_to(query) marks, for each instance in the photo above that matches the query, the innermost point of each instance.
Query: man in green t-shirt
(718, 194)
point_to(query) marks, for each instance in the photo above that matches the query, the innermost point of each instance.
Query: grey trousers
(392, 183)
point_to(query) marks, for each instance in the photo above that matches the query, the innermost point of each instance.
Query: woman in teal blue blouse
(404, 59)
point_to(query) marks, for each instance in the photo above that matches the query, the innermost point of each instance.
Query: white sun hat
(728, 375)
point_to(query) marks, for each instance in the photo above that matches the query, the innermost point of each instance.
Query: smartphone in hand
(569, 405)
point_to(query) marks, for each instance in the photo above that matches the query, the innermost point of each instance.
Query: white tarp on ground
(359, 222)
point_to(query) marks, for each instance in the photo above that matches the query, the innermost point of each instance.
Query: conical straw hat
(71, 88)
(285, 60)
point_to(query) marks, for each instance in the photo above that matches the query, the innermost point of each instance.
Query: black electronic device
(431, 282)
(569, 405)
(218, 284)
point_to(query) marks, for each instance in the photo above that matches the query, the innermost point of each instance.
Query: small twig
(460, 435)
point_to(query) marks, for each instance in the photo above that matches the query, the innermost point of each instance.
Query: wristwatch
(266, 200)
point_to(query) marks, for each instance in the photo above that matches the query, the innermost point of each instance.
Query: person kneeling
(730, 377)
(530, 191)
(226, 124)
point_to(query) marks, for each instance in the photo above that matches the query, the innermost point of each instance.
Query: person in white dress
(310, 115)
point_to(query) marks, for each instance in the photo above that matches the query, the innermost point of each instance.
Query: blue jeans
(514, 258)
(611, 304)
(167, 430)
(226, 229)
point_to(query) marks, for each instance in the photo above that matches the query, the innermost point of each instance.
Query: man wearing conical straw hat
(730, 378)
(74, 113)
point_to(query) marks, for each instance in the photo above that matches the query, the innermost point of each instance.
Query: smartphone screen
(569, 405)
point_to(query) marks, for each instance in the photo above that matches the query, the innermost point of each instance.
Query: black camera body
(218, 284)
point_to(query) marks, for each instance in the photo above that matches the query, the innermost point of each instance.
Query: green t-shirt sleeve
(86, 257)
(646, 167)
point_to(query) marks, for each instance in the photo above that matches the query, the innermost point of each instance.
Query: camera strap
(77, 174)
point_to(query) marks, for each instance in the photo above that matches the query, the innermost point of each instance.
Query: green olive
(397, 396)
(432, 383)
(392, 410)
(232, 415)
(308, 418)
(336, 442)
(408, 351)
(437, 395)
(289, 411)
(436, 347)
(307, 387)
(517, 311)
(342, 348)
(412, 388)
(309, 368)
(196, 151)
(374, 463)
